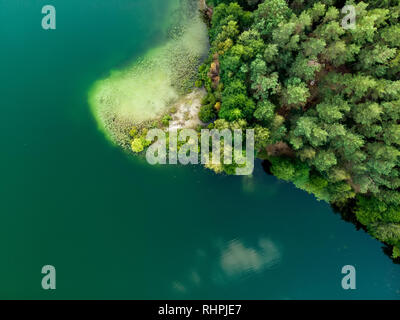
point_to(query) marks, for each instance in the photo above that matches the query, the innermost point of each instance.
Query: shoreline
(143, 94)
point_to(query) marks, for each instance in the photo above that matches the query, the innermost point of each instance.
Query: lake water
(114, 226)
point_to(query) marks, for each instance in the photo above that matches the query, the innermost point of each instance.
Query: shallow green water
(115, 227)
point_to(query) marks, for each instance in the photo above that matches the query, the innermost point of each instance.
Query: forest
(324, 100)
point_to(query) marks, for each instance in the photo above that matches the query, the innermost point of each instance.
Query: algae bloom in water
(145, 90)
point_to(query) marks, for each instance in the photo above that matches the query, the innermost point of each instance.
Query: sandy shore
(187, 111)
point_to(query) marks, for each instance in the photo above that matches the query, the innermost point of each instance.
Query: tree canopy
(324, 99)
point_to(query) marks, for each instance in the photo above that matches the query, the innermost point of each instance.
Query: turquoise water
(114, 226)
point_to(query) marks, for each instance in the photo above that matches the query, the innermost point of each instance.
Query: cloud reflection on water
(236, 261)
(237, 258)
